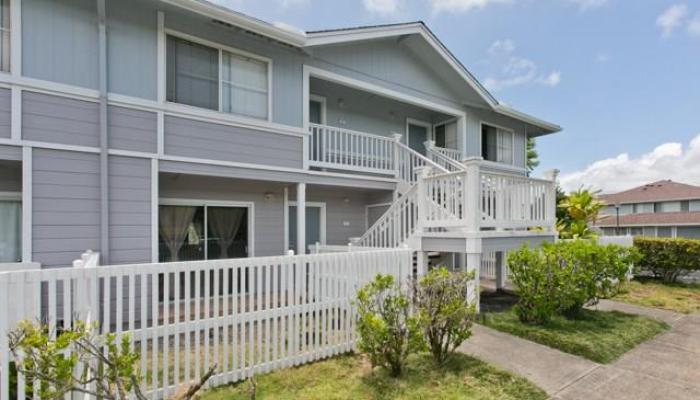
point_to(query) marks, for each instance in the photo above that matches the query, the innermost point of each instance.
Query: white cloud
(666, 161)
(553, 79)
(503, 46)
(462, 5)
(672, 18)
(587, 4)
(515, 70)
(694, 26)
(382, 7)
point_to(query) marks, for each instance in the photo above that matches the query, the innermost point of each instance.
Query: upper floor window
(497, 144)
(4, 35)
(217, 79)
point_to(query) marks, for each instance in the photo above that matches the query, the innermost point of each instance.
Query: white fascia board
(243, 21)
(510, 112)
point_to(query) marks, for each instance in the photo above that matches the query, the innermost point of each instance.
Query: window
(202, 232)
(207, 77)
(315, 225)
(497, 144)
(10, 228)
(5, 35)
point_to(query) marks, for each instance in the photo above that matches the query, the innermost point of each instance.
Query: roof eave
(243, 21)
(357, 34)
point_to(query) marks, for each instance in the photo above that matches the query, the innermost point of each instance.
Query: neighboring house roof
(651, 219)
(334, 36)
(667, 190)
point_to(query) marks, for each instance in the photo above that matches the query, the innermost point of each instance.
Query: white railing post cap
(423, 170)
(473, 160)
(397, 136)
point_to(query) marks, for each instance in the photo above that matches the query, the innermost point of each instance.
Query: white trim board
(174, 201)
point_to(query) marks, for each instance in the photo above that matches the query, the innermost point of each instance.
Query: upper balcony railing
(345, 149)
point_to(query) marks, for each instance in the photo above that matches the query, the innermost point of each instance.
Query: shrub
(445, 313)
(79, 361)
(566, 276)
(537, 285)
(668, 258)
(388, 333)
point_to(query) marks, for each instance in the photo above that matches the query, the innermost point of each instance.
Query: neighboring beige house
(664, 209)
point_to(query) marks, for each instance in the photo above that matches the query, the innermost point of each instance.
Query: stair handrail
(439, 157)
(407, 199)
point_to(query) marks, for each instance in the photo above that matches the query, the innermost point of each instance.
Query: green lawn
(351, 377)
(601, 336)
(679, 297)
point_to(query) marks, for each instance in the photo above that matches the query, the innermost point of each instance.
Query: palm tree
(582, 207)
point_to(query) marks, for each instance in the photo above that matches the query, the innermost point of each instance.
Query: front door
(313, 227)
(417, 133)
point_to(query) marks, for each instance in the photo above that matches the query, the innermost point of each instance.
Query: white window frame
(220, 48)
(322, 218)
(217, 203)
(498, 150)
(417, 122)
(322, 101)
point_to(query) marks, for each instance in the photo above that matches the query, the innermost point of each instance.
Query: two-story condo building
(164, 130)
(663, 209)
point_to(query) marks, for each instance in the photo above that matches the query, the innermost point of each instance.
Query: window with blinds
(5, 35)
(208, 77)
(497, 144)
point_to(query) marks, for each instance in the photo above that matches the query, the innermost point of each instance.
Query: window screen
(192, 74)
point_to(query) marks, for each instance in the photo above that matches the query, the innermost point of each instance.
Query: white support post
(500, 271)
(27, 202)
(301, 218)
(473, 254)
(551, 175)
(472, 194)
(421, 263)
(422, 173)
(397, 158)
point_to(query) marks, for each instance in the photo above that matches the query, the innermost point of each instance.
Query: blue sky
(621, 76)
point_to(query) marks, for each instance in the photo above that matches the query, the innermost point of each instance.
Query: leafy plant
(538, 285)
(388, 333)
(668, 258)
(444, 310)
(79, 360)
(581, 208)
(566, 276)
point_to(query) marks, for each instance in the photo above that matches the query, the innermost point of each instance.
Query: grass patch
(351, 377)
(678, 297)
(601, 336)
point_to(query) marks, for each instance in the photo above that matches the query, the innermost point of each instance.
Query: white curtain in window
(224, 223)
(173, 223)
(10, 231)
(244, 87)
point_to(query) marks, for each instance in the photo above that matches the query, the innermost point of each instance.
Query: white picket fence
(247, 316)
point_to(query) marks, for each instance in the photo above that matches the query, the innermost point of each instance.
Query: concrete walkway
(666, 367)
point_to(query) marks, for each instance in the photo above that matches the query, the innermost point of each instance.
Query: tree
(582, 207)
(532, 157)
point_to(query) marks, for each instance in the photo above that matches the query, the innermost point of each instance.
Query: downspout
(104, 160)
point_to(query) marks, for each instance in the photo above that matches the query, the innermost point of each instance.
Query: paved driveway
(666, 367)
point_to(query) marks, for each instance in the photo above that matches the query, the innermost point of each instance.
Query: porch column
(301, 218)
(421, 263)
(473, 256)
(500, 270)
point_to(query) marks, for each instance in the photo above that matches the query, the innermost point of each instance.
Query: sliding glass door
(10, 231)
(203, 232)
